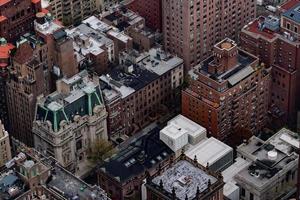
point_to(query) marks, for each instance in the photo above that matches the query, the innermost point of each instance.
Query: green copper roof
(57, 111)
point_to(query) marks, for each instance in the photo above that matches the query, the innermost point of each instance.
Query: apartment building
(27, 81)
(142, 84)
(228, 91)
(72, 12)
(150, 10)
(192, 27)
(276, 40)
(17, 17)
(68, 121)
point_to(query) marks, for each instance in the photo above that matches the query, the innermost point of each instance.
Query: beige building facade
(5, 151)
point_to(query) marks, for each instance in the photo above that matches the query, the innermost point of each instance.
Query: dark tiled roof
(141, 155)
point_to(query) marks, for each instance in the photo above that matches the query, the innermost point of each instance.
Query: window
(243, 192)
(251, 196)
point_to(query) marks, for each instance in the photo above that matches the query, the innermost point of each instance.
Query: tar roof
(64, 182)
(185, 178)
(293, 13)
(139, 156)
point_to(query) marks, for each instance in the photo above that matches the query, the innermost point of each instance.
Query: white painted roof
(209, 151)
(191, 127)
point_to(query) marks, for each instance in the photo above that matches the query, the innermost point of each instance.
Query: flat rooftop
(242, 70)
(97, 24)
(289, 4)
(208, 151)
(229, 173)
(191, 127)
(185, 178)
(268, 157)
(141, 155)
(293, 13)
(66, 183)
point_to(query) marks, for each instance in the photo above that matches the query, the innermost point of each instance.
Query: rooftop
(208, 151)
(288, 4)
(184, 177)
(141, 155)
(191, 127)
(54, 178)
(239, 72)
(62, 106)
(293, 13)
(138, 70)
(97, 24)
(230, 172)
(269, 157)
(67, 184)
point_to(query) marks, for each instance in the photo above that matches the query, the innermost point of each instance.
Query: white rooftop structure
(97, 24)
(119, 35)
(194, 130)
(48, 28)
(174, 136)
(210, 151)
(231, 190)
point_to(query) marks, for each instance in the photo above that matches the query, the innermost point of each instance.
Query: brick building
(183, 179)
(228, 91)
(150, 10)
(26, 82)
(191, 28)
(276, 42)
(139, 87)
(122, 176)
(17, 17)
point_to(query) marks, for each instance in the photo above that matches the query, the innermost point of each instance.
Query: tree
(100, 150)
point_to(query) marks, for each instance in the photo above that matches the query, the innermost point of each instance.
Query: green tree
(100, 150)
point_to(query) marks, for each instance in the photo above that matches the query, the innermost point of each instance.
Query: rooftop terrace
(184, 177)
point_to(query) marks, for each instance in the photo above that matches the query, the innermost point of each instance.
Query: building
(272, 172)
(61, 60)
(5, 150)
(276, 42)
(212, 153)
(92, 47)
(228, 92)
(29, 176)
(5, 55)
(27, 81)
(192, 28)
(182, 179)
(17, 18)
(122, 18)
(68, 121)
(231, 190)
(72, 12)
(182, 133)
(146, 82)
(122, 175)
(150, 10)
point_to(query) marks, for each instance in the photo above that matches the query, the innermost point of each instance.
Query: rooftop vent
(272, 155)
